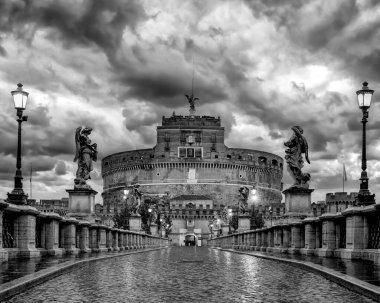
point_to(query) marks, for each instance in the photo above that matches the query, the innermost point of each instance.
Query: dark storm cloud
(98, 22)
(40, 164)
(167, 87)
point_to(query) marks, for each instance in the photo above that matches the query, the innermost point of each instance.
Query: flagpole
(343, 176)
(31, 173)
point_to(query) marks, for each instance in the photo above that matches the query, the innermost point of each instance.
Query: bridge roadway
(188, 274)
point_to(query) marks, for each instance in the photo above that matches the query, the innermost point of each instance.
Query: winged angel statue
(191, 100)
(85, 153)
(297, 145)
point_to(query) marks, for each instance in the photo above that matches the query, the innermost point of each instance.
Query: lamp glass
(364, 99)
(364, 96)
(126, 192)
(19, 98)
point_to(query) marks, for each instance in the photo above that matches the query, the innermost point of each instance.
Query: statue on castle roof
(85, 153)
(191, 100)
(297, 145)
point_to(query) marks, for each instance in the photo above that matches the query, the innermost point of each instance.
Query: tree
(121, 218)
(256, 220)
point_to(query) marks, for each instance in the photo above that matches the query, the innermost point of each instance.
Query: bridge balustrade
(352, 234)
(26, 232)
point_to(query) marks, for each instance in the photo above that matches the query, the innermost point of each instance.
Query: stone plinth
(135, 223)
(153, 229)
(297, 200)
(82, 204)
(244, 223)
(225, 229)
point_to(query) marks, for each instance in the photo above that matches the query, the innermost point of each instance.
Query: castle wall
(190, 157)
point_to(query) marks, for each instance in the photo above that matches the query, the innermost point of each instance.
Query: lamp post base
(17, 196)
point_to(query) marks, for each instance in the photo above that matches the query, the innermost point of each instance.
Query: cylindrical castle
(191, 160)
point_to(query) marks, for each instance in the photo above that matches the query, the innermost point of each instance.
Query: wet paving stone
(188, 274)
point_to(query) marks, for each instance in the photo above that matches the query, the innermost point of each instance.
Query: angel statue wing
(77, 142)
(305, 149)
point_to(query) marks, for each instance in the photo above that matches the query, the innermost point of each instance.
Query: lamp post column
(18, 176)
(364, 178)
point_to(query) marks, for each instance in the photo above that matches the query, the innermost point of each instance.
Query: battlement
(190, 121)
(340, 197)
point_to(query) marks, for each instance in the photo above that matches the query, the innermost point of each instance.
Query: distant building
(51, 205)
(319, 208)
(340, 201)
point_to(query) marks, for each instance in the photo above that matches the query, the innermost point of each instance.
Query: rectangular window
(198, 153)
(190, 152)
(182, 152)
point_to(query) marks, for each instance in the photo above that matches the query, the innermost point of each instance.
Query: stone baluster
(52, 234)
(328, 236)
(357, 230)
(69, 236)
(102, 238)
(84, 236)
(258, 240)
(94, 243)
(109, 239)
(25, 230)
(286, 238)
(310, 236)
(3, 252)
(277, 238)
(115, 240)
(296, 242)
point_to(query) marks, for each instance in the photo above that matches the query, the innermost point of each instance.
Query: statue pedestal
(135, 223)
(82, 204)
(244, 223)
(225, 229)
(297, 200)
(153, 229)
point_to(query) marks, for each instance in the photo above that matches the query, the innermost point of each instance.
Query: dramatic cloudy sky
(119, 66)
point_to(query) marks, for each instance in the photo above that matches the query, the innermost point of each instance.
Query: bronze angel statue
(297, 145)
(243, 205)
(191, 100)
(85, 153)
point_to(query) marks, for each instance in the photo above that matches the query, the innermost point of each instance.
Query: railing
(39, 231)
(342, 232)
(9, 240)
(373, 231)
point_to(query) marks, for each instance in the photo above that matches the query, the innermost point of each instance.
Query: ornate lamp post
(20, 97)
(364, 99)
(270, 214)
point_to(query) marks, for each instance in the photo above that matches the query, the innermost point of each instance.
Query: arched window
(262, 160)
